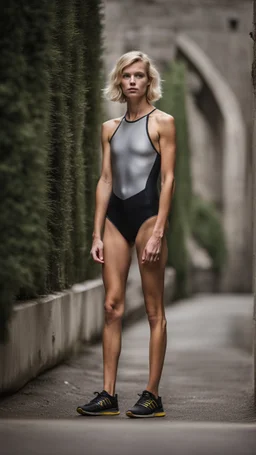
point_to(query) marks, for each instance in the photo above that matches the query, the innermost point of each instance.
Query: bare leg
(117, 259)
(152, 276)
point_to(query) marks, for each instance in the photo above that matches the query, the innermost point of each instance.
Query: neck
(138, 108)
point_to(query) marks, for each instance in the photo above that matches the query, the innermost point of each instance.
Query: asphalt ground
(206, 387)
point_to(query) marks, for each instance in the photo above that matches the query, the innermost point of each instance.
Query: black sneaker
(102, 405)
(147, 406)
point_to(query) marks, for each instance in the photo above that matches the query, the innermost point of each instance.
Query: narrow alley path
(207, 379)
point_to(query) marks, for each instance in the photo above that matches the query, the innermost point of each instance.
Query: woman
(136, 148)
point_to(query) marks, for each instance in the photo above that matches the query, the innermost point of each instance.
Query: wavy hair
(113, 90)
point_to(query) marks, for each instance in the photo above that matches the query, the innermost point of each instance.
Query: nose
(132, 80)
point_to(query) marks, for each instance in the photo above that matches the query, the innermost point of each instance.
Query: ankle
(109, 390)
(153, 391)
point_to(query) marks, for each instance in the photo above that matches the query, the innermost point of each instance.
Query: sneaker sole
(102, 413)
(155, 414)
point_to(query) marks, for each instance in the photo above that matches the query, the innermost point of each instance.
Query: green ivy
(207, 229)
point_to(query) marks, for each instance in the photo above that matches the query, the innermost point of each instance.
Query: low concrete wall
(44, 332)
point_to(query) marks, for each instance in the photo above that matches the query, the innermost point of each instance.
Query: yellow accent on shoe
(104, 413)
(108, 413)
(156, 414)
(150, 404)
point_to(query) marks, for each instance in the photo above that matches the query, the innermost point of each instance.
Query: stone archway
(230, 147)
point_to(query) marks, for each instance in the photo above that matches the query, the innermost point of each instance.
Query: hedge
(50, 113)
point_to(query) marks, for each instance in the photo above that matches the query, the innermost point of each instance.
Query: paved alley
(207, 383)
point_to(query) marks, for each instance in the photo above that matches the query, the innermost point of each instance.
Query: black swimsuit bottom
(135, 169)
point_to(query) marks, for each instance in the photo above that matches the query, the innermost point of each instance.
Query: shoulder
(109, 127)
(165, 125)
(163, 119)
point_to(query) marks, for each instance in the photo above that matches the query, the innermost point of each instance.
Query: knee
(114, 309)
(157, 320)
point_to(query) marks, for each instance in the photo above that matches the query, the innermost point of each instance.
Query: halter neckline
(133, 121)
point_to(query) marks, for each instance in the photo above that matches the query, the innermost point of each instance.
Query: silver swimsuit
(135, 169)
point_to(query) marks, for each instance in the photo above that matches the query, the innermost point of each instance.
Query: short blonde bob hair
(113, 90)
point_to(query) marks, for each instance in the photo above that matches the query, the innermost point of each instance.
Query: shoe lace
(96, 399)
(144, 396)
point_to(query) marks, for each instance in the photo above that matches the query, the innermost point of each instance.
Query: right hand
(97, 251)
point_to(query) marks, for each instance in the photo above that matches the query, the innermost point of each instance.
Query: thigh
(152, 273)
(117, 260)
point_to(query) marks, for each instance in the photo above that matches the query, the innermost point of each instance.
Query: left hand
(152, 250)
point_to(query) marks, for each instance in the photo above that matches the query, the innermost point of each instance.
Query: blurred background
(204, 54)
(55, 61)
(55, 58)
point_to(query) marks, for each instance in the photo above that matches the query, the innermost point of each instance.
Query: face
(134, 80)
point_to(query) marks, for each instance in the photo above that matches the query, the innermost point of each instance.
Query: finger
(149, 257)
(100, 254)
(145, 259)
(93, 253)
(152, 258)
(98, 261)
(144, 255)
(95, 256)
(158, 256)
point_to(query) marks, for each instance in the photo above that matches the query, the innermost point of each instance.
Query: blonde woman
(129, 211)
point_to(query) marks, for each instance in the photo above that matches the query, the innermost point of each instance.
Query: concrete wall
(44, 332)
(221, 109)
(220, 29)
(152, 26)
(205, 167)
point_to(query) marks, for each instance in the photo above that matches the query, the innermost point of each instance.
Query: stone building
(212, 37)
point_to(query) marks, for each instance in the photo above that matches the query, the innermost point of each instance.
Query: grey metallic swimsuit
(135, 169)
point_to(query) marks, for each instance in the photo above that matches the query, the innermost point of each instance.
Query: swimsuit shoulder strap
(146, 115)
(151, 111)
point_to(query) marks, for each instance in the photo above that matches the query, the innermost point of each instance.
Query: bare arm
(168, 154)
(167, 141)
(103, 192)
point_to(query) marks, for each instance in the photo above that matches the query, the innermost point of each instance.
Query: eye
(126, 76)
